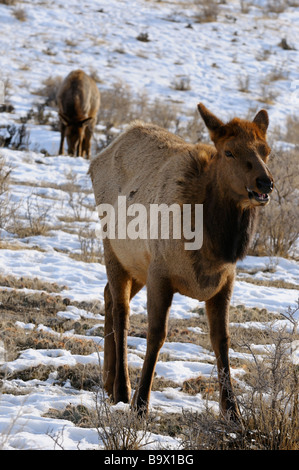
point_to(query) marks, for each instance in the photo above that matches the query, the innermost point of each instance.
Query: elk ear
(85, 121)
(262, 120)
(64, 119)
(211, 121)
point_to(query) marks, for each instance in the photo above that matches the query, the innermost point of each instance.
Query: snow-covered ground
(216, 58)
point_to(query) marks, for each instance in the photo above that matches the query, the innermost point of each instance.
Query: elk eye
(228, 154)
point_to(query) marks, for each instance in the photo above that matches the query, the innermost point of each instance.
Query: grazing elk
(78, 100)
(149, 166)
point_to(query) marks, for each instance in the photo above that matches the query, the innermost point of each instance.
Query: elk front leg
(62, 135)
(159, 298)
(86, 148)
(217, 310)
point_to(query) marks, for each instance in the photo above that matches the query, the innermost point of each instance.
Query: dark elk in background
(78, 100)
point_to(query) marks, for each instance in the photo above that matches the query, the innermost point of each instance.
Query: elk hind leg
(109, 345)
(62, 136)
(109, 371)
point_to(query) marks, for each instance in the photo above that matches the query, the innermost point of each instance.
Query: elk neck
(228, 228)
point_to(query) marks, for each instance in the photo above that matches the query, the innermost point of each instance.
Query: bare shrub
(120, 429)
(206, 10)
(5, 197)
(16, 137)
(6, 89)
(143, 37)
(93, 73)
(91, 247)
(77, 197)
(269, 404)
(268, 94)
(278, 227)
(292, 132)
(20, 14)
(181, 84)
(119, 106)
(37, 216)
(6, 108)
(38, 115)
(50, 89)
(206, 431)
(276, 6)
(285, 45)
(35, 220)
(115, 104)
(192, 129)
(277, 73)
(244, 6)
(243, 83)
(163, 114)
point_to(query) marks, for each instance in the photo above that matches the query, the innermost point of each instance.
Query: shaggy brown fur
(149, 165)
(78, 101)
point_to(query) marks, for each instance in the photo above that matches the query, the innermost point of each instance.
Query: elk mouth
(262, 198)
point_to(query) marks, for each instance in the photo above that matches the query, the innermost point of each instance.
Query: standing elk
(78, 100)
(149, 165)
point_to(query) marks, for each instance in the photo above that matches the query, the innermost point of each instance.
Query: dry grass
(30, 283)
(206, 386)
(270, 401)
(79, 415)
(8, 2)
(40, 308)
(277, 283)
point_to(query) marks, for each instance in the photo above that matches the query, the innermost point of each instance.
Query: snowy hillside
(236, 59)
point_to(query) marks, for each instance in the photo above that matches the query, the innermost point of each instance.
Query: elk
(150, 165)
(78, 100)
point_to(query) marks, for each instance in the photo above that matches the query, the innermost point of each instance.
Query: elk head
(242, 154)
(74, 132)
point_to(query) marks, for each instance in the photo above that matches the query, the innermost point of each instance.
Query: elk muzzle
(265, 187)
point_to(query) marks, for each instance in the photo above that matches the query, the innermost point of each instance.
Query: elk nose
(265, 185)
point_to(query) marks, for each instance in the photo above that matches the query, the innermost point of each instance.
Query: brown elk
(149, 165)
(78, 100)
